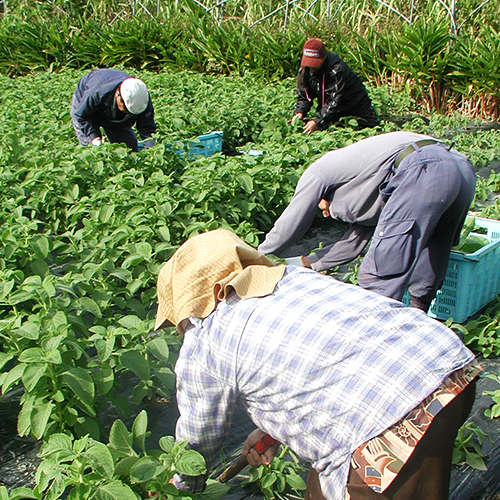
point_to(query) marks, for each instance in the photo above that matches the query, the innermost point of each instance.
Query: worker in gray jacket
(408, 193)
(115, 101)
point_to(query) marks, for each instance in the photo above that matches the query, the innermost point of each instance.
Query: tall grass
(476, 73)
(448, 59)
(384, 14)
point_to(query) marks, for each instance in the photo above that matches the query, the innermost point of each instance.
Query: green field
(84, 231)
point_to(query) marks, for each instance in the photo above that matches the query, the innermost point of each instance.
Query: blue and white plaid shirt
(320, 365)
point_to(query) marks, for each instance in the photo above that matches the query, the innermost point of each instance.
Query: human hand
(296, 117)
(310, 127)
(324, 206)
(96, 141)
(254, 458)
(149, 142)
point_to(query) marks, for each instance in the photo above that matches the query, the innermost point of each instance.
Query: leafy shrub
(122, 469)
(281, 477)
(468, 446)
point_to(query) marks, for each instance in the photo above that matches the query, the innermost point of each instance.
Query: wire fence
(282, 10)
(328, 10)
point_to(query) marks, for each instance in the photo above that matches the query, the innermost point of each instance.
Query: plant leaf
(139, 429)
(158, 347)
(39, 417)
(81, 383)
(136, 363)
(116, 491)
(89, 305)
(191, 463)
(32, 375)
(101, 459)
(120, 440)
(145, 469)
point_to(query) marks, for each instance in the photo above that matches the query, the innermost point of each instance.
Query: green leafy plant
(470, 243)
(468, 446)
(351, 276)
(494, 410)
(84, 231)
(281, 478)
(122, 469)
(482, 334)
(16, 493)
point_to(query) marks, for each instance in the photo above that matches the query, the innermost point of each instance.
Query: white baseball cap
(135, 95)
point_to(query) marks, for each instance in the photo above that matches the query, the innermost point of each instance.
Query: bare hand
(310, 127)
(255, 459)
(324, 206)
(296, 116)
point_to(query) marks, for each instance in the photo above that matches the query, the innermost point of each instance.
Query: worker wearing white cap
(115, 101)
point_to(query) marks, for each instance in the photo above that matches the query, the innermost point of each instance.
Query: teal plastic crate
(203, 145)
(472, 280)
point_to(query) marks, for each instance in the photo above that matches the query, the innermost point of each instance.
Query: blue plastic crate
(205, 145)
(472, 280)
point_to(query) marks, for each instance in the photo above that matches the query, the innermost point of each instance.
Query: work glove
(194, 484)
(295, 261)
(96, 141)
(148, 142)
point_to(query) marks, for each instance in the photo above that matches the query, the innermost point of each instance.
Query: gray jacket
(350, 178)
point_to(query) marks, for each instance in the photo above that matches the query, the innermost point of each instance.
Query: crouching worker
(338, 89)
(407, 193)
(115, 101)
(370, 392)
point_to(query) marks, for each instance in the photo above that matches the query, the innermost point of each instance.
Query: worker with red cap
(340, 92)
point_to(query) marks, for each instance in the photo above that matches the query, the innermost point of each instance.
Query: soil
(18, 456)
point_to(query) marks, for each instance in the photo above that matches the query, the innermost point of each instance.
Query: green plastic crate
(472, 280)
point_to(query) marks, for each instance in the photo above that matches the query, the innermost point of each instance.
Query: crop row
(86, 230)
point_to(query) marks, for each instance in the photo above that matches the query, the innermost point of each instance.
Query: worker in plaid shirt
(370, 392)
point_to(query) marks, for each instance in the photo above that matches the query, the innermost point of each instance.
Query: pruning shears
(265, 442)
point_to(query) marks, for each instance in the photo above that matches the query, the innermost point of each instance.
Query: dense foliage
(84, 232)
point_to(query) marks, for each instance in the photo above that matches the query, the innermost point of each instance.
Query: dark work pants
(427, 202)
(126, 135)
(119, 135)
(426, 474)
(115, 134)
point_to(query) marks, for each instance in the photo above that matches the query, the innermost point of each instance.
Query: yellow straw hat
(196, 278)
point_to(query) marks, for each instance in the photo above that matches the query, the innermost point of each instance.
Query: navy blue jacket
(94, 105)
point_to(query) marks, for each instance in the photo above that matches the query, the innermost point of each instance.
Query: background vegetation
(86, 230)
(447, 55)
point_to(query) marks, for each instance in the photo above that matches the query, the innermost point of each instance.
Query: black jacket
(340, 92)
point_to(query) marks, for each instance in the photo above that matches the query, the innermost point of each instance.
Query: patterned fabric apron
(379, 460)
